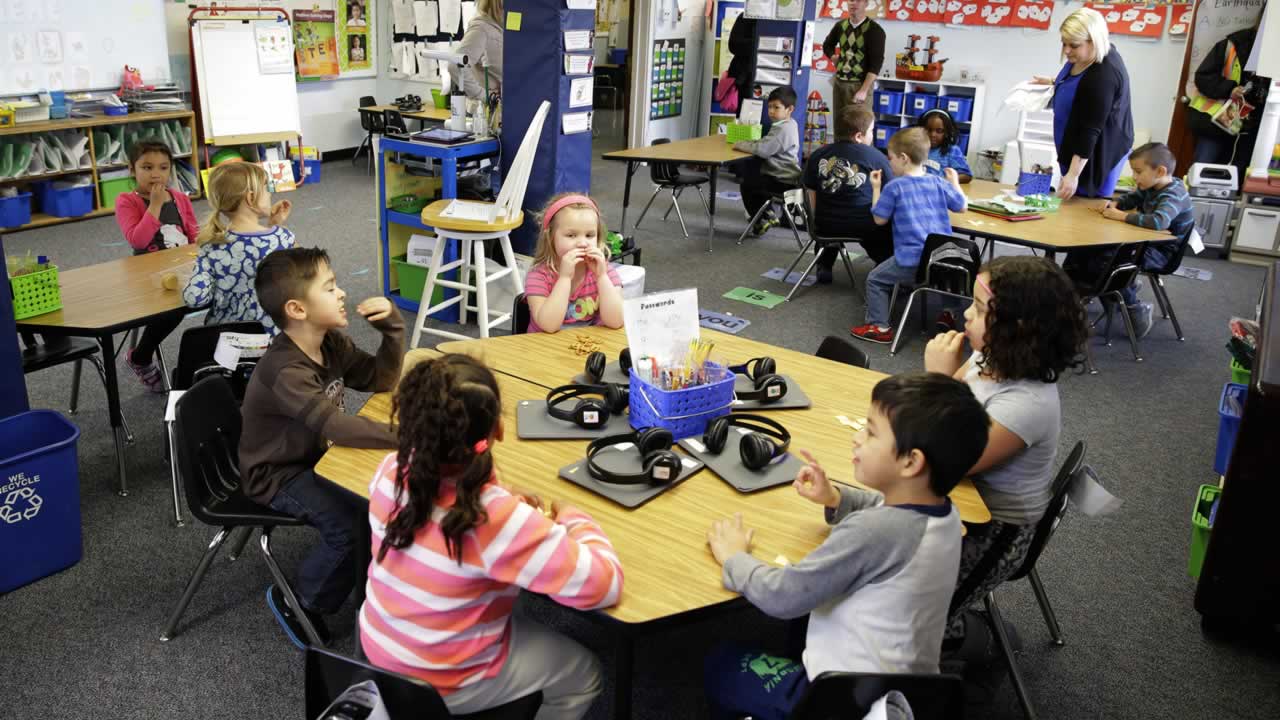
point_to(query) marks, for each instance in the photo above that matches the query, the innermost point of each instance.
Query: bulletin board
(666, 94)
(335, 39)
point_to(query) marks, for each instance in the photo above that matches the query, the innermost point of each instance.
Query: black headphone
(768, 440)
(597, 362)
(659, 465)
(589, 413)
(769, 386)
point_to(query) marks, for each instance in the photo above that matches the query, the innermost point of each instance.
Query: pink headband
(560, 204)
(986, 287)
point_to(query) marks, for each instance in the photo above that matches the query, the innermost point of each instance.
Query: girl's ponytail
(213, 230)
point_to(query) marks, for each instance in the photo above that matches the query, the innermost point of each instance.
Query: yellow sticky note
(513, 21)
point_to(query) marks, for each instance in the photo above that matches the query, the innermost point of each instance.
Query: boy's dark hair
(912, 142)
(148, 146)
(950, 134)
(1155, 155)
(285, 275)
(857, 119)
(939, 416)
(1035, 321)
(785, 95)
(445, 407)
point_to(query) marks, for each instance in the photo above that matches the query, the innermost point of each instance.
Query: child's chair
(473, 224)
(851, 695)
(781, 200)
(948, 266)
(818, 243)
(667, 176)
(1123, 270)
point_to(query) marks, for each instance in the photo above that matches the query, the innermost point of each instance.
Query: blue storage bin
(15, 211)
(882, 135)
(888, 102)
(312, 174)
(962, 139)
(1230, 409)
(959, 107)
(39, 497)
(40, 195)
(618, 56)
(71, 202)
(920, 103)
(685, 413)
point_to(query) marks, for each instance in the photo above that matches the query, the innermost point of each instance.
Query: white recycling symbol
(12, 510)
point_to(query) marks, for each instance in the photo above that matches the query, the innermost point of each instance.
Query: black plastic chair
(818, 243)
(207, 432)
(393, 121)
(667, 176)
(843, 351)
(948, 267)
(372, 123)
(46, 352)
(779, 199)
(1070, 469)
(328, 675)
(520, 315)
(842, 695)
(1121, 272)
(1157, 287)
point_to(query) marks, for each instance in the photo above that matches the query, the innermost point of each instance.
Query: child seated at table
(295, 408)
(453, 548)
(876, 590)
(571, 282)
(776, 166)
(944, 145)
(231, 250)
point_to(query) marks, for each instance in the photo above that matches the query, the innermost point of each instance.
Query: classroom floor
(84, 643)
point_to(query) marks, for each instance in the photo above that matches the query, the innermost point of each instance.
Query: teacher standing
(860, 42)
(482, 44)
(1092, 117)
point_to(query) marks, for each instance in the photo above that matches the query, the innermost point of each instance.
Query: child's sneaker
(873, 333)
(1141, 314)
(289, 620)
(149, 374)
(765, 224)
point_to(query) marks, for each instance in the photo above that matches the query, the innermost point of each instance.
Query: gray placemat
(795, 399)
(533, 423)
(612, 374)
(728, 464)
(624, 458)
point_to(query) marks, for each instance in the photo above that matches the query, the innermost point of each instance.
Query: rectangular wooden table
(427, 113)
(101, 300)
(711, 152)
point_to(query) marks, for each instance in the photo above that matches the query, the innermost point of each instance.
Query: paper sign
(576, 123)
(723, 322)
(661, 325)
(232, 347)
(579, 64)
(751, 112)
(450, 16)
(513, 21)
(777, 273)
(426, 17)
(763, 298)
(808, 42)
(776, 44)
(580, 90)
(577, 40)
(275, 51)
(402, 13)
(580, 4)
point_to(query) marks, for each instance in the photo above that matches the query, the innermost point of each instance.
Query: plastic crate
(69, 202)
(15, 211)
(959, 107)
(1240, 374)
(918, 104)
(882, 135)
(306, 172)
(1228, 423)
(36, 293)
(1202, 515)
(1034, 183)
(684, 412)
(888, 102)
(26, 111)
(109, 190)
(738, 132)
(39, 497)
(962, 140)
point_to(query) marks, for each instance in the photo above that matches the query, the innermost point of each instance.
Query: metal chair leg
(675, 197)
(194, 583)
(1128, 326)
(792, 221)
(1157, 286)
(808, 269)
(366, 142)
(265, 545)
(75, 388)
(1088, 358)
(1046, 609)
(675, 203)
(237, 546)
(902, 319)
(707, 208)
(848, 264)
(752, 222)
(1002, 639)
(164, 369)
(636, 227)
(173, 474)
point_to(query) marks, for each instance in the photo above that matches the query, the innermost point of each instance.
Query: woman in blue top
(1092, 119)
(944, 145)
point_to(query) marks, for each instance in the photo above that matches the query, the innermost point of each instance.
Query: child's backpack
(727, 93)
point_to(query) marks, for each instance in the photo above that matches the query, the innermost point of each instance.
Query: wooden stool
(472, 234)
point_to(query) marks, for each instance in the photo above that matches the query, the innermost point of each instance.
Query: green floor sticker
(763, 298)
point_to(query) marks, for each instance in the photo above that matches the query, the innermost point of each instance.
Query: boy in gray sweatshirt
(878, 588)
(776, 167)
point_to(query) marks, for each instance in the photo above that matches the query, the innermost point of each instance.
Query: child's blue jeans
(327, 574)
(880, 282)
(740, 681)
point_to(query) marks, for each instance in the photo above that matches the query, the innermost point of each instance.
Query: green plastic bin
(412, 279)
(1240, 374)
(1201, 527)
(109, 190)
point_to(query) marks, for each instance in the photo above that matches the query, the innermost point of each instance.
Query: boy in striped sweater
(453, 548)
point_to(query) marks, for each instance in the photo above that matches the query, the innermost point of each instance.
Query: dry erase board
(80, 44)
(241, 98)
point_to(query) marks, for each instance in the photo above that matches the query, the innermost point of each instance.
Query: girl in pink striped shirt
(453, 548)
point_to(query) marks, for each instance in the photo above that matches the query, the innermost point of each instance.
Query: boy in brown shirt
(294, 409)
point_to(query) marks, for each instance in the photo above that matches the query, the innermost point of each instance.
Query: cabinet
(1213, 218)
(1257, 236)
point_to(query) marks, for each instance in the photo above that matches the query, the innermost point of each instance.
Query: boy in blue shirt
(916, 203)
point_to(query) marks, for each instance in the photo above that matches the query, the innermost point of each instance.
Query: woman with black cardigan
(1092, 119)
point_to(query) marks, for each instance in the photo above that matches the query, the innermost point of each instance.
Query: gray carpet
(84, 643)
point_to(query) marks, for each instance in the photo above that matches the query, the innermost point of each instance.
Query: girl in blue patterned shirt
(944, 147)
(230, 250)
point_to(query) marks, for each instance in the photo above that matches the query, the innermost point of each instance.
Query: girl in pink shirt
(453, 548)
(571, 282)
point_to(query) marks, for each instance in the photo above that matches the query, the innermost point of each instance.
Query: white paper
(577, 40)
(1089, 497)
(661, 325)
(470, 210)
(275, 51)
(773, 61)
(1196, 242)
(428, 68)
(765, 76)
(171, 408)
(775, 44)
(580, 91)
(77, 47)
(751, 111)
(450, 16)
(761, 9)
(790, 10)
(806, 54)
(49, 43)
(232, 347)
(576, 123)
(580, 4)
(468, 12)
(579, 64)
(403, 13)
(426, 17)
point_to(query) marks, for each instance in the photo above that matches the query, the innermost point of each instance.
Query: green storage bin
(738, 132)
(1240, 374)
(412, 278)
(109, 190)
(1201, 527)
(36, 293)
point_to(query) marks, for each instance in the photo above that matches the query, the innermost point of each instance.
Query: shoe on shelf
(873, 333)
(945, 321)
(1141, 313)
(289, 620)
(148, 374)
(824, 277)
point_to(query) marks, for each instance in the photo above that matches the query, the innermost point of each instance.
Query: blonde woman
(482, 44)
(1092, 117)
(231, 248)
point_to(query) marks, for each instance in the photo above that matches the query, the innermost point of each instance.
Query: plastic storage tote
(15, 211)
(883, 133)
(70, 202)
(1202, 516)
(888, 102)
(684, 412)
(311, 168)
(959, 107)
(39, 497)
(962, 139)
(112, 189)
(36, 293)
(1239, 373)
(920, 103)
(1230, 409)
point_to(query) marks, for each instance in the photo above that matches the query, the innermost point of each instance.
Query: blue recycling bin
(39, 497)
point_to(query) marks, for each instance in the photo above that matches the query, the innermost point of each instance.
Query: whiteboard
(235, 98)
(80, 44)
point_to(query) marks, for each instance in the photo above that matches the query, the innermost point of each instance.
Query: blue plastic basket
(69, 202)
(39, 497)
(1034, 183)
(919, 103)
(1228, 424)
(684, 412)
(15, 211)
(888, 102)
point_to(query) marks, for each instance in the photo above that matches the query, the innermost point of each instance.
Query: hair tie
(985, 286)
(481, 446)
(563, 202)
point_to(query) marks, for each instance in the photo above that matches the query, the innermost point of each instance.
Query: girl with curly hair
(1026, 326)
(453, 549)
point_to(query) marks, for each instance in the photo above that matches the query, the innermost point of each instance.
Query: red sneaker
(873, 333)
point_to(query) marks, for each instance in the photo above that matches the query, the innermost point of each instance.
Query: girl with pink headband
(571, 283)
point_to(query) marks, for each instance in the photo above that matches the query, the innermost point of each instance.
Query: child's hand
(728, 538)
(597, 261)
(531, 499)
(951, 175)
(1110, 212)
(280, 212)
(569, 261)
(944, 353)
(874, 176)
(374, 308)
(159, 195)
(811, 483)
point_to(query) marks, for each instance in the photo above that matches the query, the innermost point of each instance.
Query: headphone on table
(659, 465)
(769, 386)
(589, 413)
(597, 362)
(768, 439)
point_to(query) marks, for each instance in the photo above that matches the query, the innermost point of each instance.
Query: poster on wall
(822, 63)
(666, 93)
(355, 53)
(1033, 14)
(1133, 20)
(1180, 20)
(839, 9)
(990, 13)
(315, 44)
(275, 53)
